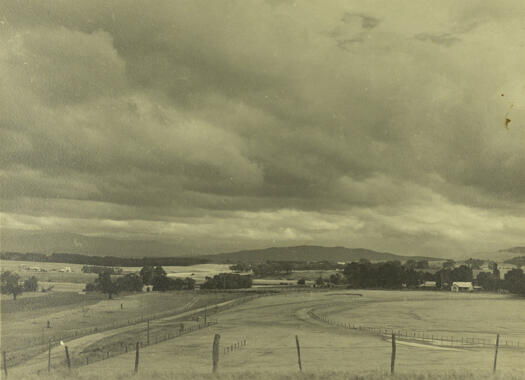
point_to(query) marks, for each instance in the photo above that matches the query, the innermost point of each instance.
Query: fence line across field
(230, 348)
(43, 342)
(421, 336)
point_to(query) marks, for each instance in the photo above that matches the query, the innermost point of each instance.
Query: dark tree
(515, 281)
(146, 273)
(488, 281)
(130, 282)
(106, 285)
(474, 263)
(227, 281)
(10, 284)
(31, 284)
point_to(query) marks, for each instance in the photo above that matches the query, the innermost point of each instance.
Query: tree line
(155, 276)
(109, 261)
(272, 268)
(394, 275)
(99, 269)
(227, 281)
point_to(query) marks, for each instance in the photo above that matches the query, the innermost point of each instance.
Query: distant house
(428, 285)
(147, 288)
(462, 287)
(66, 270)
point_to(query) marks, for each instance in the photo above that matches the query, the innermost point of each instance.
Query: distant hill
(309, 253)
(513, 250)
(501, 255)
(518, 261)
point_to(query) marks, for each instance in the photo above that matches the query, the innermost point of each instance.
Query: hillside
(501, 255)
(309, 253)
(518, 261)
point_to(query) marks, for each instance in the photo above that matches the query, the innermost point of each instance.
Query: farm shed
(428, 285)
(462, 287)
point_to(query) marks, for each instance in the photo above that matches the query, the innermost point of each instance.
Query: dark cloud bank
(185, 127)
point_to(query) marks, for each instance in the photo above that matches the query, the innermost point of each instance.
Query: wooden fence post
(393, 358)
(137, 358)
(215, 353)
(68, 361)
(298, 353)
(496, 353)
(148, 333)
(4, 356)
(49, 357)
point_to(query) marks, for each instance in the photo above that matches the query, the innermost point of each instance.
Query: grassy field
(438, 313)
(24, 322)
(269, 325)
(289, 375)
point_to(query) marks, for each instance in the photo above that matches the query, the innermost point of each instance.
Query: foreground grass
(256, 375)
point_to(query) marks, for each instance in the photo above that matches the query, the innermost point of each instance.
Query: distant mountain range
(310, 253)
(500, 255)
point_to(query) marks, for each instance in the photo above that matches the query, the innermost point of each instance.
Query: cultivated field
(270, 323)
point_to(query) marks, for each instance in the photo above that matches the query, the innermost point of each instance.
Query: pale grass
(263, 375)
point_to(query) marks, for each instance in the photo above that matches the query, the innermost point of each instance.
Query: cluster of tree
(132, 282)
(446, 276)
(333, 279)
(157, 277)
(474, 263)
(227, 281)
(388, 275)
(393, 275)
(515, 281)
(99, 269)
(109, 261)
(10, 284)
(271, 268)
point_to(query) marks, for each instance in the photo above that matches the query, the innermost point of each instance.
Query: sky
(196, 127)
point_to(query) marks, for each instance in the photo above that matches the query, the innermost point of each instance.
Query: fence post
(496, 353)
(298, 353)
(137, 358)
(49, 357)
(148, 333)
(68, 361)
(393, 358)
(215, 353)
(4, 356)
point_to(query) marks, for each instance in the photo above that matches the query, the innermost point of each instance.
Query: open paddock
(269, 325)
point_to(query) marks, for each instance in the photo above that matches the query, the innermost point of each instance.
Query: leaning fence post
(298, 353)
(4, 356)
(68, 361)
(496, 353)
(393, 358)
(215, 354)
(137, 358)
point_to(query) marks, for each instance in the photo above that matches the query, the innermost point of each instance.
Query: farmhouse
(462, 287)
(428, 285)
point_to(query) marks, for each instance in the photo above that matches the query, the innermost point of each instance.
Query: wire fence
(228, 349)
(423, 337)
(42, 344)
(87, 358)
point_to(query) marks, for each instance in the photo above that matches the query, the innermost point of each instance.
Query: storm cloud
(210, 126)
